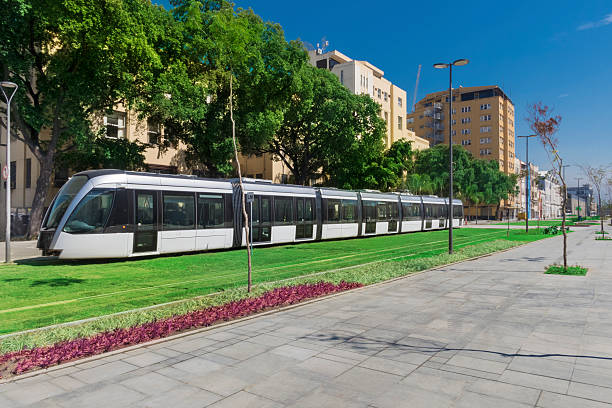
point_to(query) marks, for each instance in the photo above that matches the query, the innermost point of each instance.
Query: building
(520, 200)
(550, 196)
(360, 77)
(119, 124)
(483, 123)
(585, 192)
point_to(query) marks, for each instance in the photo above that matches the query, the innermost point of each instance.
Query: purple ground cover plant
(42, 357)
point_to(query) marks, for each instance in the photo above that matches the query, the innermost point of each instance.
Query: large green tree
(72, 60)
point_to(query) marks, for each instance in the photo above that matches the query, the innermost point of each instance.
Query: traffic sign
(250, 197)
(5, 172)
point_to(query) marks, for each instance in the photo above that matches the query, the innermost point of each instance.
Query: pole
(7, 238)
(578, 194)
(528, 200)
(251, 229)
(450, 165)
(508, 216)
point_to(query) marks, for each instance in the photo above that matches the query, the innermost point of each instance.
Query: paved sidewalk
(20, 250)
(493, 332)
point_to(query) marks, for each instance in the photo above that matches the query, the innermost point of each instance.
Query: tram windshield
(63, 200)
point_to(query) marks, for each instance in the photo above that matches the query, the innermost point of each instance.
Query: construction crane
(416, 88)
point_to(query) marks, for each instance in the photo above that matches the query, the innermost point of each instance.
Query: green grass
(571, 270)
(41, 293)
(534, 223)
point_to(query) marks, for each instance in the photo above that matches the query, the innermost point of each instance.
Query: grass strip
(369, 274)
(570, 270)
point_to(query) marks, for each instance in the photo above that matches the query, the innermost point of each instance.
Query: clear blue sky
(559, 52)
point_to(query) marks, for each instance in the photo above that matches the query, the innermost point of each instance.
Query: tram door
(145, 225)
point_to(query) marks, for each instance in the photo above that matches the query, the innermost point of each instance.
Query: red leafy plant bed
(42, 357)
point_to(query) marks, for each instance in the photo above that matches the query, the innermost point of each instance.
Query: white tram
(120, 214)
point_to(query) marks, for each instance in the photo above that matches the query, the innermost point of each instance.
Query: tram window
(457, 211)
(283, 210)
(349, 210)
(299, 205)
(393, 211)
(118, 219)
(266, 209)
(381, 211)
(211, 211)
(309, 209)
(428, 211)
(333, 210)
(412, 211)
(369, 211)
(91, 213)
(179, 211)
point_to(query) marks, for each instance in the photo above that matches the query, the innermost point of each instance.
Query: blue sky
(559, 52)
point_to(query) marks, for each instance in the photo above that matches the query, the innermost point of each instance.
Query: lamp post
(9, 86)
(578, 194)
(528, 182)
(449, 65)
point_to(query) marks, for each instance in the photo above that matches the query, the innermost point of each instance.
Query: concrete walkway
(493, 332)
(20, 250)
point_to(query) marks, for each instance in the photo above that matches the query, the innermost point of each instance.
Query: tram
(122, 214)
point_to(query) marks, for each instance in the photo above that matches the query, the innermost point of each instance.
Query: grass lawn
(40, 293)
(534, 223)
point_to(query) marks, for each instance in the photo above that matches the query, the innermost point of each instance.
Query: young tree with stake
(545, 125)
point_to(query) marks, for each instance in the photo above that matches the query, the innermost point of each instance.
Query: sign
(250, 197)
(5, 172)
(577, 208)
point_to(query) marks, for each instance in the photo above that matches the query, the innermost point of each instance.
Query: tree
(72, 60)
(597, 177)
(545, 125)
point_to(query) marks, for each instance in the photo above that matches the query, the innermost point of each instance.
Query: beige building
(120, 124)
(360, 77)
(483, 123)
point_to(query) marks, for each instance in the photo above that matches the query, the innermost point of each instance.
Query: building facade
(25, 169)
(585, 192)
(483, 123)
(550, 197)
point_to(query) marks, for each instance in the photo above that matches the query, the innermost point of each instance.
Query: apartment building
(360, 77)
(550, 196)
(482, 119)
(482, 122)
(119, 124)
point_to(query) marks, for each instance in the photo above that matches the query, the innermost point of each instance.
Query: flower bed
(43, 357)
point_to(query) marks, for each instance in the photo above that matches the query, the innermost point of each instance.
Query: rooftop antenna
(416, 88)
(322, 45)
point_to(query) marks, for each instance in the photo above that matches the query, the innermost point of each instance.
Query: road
(490, 332)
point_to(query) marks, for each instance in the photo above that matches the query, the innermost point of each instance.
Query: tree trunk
(43, 182)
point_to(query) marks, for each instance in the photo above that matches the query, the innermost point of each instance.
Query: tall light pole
(578, 194)
(9, 86)
(449, 65)
(528, 181)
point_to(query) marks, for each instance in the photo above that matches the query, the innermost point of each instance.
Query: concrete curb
(243, 319)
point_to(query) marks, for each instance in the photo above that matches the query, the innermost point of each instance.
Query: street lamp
(8, 86)
(528, 181)
(578, 194)
(459, 62)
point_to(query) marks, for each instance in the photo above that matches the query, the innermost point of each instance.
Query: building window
(386, 117)
(485, 129)
(466, 142)
(115, 125)
(342, 77)
(399, 101)
(410, 120)
(386, 95)
(466, 109)
(399, 122)
(485, 152)
(485, 118)
(465, 131)
(454, 133)
(153, 131)
(322, 63)
(485, 106)
(454, 121)
(379, 93)
(485, 140)
(466, 120)
(28, 173)
(454, 111)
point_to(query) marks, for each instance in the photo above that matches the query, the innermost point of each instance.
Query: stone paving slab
(492, 332)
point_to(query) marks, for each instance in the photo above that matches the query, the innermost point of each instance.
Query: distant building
(585, 193)
(550, 198)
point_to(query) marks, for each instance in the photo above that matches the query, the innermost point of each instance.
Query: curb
(243, 319)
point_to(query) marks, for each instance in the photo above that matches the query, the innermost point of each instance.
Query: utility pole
(528, 181)
(7, 167)
(578, 193)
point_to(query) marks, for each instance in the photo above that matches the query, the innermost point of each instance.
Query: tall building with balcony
(482, 118)
(482, 122)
